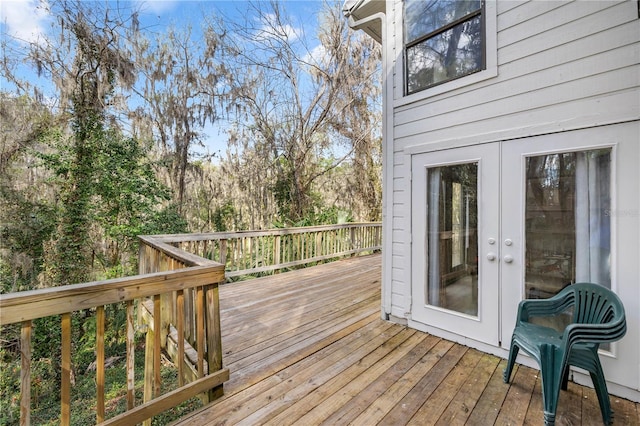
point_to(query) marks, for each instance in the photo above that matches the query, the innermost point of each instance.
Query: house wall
(561, 66)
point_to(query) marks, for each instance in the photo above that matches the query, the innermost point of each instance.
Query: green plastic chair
(598, 317)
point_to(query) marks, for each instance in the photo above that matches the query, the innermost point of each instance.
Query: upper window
(444, 40)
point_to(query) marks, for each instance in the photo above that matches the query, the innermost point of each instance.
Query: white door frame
(484, 327)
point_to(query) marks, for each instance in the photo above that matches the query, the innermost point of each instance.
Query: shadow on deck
(308, 347)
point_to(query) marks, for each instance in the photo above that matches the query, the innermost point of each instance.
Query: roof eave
(359, 10)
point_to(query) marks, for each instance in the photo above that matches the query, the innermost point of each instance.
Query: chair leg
(513, 353)
(603, 397)
(551, 372)
(587, 358)
(565, 378)
(600, 385)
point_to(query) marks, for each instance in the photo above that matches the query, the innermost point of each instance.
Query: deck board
(308, 348)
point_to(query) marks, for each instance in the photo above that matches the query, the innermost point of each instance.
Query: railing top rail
(159, 242)
(200, 271)
(179, 238)
(69, 298)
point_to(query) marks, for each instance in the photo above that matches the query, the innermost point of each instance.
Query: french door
(455, 225)
(497, 223)
(569, 213)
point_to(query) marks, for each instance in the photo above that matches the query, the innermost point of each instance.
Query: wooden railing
(168, 276)
(254, 252)
(175, 302)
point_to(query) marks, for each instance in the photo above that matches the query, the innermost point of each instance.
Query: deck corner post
(213, 335)
(148, 370)
(25, 373)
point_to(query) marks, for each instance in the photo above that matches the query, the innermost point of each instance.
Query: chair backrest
(595, 304)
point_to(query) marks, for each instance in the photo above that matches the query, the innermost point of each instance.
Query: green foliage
(167, 220)
(325, 216)
(46, 339)
(125, 196)
(118, 198)
(27, 219)
(71, 161)
(222, 216)
(28, 225)
(9, 387)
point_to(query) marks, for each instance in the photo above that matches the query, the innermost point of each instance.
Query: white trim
(387, 160)
(408, 242)
(502, 136)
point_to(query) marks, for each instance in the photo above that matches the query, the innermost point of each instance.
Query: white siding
(561, 66)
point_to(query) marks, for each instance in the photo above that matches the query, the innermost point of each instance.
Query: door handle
(508, 259)
(491, 256)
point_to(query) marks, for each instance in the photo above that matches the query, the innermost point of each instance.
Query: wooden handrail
(70, 298)
(264, 251)
(181, 272)
(176, 238)
(176, 296)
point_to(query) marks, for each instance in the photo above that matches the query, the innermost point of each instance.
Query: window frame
(451, 87)
(481, 11)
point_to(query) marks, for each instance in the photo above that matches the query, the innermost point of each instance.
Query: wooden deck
(309, 347)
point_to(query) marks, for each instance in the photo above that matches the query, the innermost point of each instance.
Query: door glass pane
(567, 223)
(452, 238)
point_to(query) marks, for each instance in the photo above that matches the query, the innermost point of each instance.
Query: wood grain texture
(308, 347)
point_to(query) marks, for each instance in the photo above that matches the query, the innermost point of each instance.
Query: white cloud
(285, 31)
(318, 56)
(24, 19)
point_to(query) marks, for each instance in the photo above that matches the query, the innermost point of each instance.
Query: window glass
(443, 41)
(568, 226)
(452, 241)
(424, 17)
(446, 56)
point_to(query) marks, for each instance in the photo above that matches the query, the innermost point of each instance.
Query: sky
(28, 20)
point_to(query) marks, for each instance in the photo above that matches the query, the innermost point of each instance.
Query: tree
(179, 94)
(288, 99)
(358, 117)
(87, 65)
(26, 217)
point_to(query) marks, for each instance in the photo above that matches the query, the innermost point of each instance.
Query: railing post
(25, 373)
(148, 370)
(223, 252)
(276, 252)
(131, 344)
(100, 412)
(318, 244)
(352, 240)
(152, 358)
(214, 341)
(65, 392)
(157, 342)
(180, 331)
